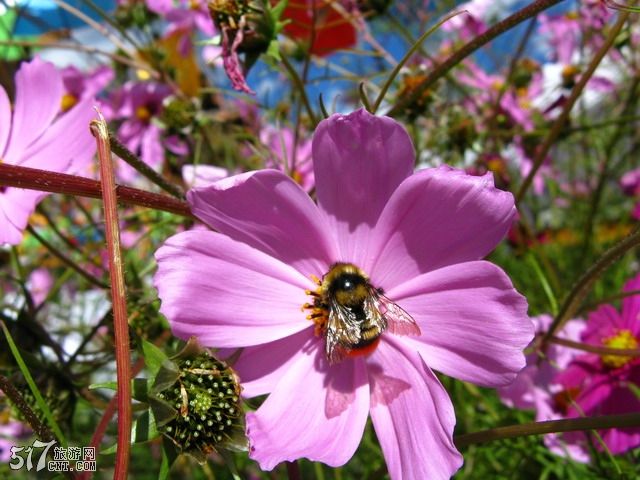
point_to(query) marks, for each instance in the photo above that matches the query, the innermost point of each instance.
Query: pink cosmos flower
(472, 22)
(183, 18)
(289, 154)
(630, 183)
(79, 85)
(36, 135)
(202, 175)
(604, 383)
(140, 104)
(534, 388)
(420, 237)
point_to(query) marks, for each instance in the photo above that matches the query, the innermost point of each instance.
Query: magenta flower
(79, 85)
(534, 388)
(184, 18)
(289, 153)
(140, 105)
(36, 135)
(420, 237)
(604, 383)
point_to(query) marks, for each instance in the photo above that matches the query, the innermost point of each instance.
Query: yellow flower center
(569, 72)
(143, 113)
(68, 102)
(623, 340)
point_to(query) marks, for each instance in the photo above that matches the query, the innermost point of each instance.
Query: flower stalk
(118, 296)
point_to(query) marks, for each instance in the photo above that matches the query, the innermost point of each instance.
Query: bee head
(347, 284)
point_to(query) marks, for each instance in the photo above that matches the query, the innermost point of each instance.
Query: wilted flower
(607, 384)
(36, 135)
(248, 27)
(419, 238)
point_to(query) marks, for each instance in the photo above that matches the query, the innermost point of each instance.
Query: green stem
(550, 426)
(558, 125)
(404, 60)
(579, 291)
(118, 296)
(66, 260)
(300, 86)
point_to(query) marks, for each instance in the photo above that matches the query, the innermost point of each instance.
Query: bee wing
(398, 321)
(342, 331)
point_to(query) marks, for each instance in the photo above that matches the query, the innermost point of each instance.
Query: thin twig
(550, 426)
(470, 47)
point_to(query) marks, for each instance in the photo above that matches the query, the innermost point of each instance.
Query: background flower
(535, 389)
(604, 383)
(36, 135)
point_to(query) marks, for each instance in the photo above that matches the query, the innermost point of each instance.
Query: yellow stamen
(319, 312)
(623, 340)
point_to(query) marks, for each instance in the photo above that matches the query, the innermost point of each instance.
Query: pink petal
(261, 367)
(5, 121)
(437, 217)
(16, 206)
(39, 91)
(414, 424)
(269, 211)
(474, 323)
(602, 323)
(315, 411)
(359, 160)
(67, 146)
(226, 293)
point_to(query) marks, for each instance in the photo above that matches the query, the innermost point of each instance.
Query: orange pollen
(319, 313)
(624, 340)
(143, 113)
(296, 177)
(68, 102)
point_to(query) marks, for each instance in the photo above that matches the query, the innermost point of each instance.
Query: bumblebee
(353, 313)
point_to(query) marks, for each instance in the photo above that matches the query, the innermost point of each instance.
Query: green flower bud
(196, 402)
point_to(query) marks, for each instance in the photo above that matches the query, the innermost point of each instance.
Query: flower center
(68, 102)
(565, 398)
(352, 314)
(623, 339)
(344, 309)
(143, 113)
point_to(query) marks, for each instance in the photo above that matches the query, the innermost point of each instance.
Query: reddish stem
(118, 297)
(54, 182)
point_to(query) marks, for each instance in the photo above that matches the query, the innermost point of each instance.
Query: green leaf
(169, 455)
(153, 356)
(107, 385)
(140, 388)
(144, 428)
(33, 387)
